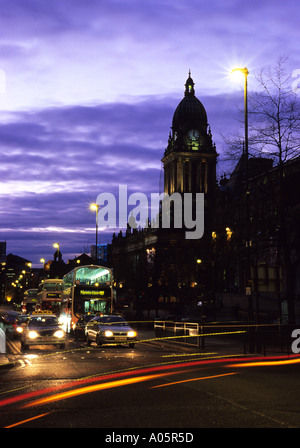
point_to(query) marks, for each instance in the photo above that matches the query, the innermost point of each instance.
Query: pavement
(5, 362)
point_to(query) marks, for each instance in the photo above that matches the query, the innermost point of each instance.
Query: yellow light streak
(188, 355)
(194, 379)
(193, 335)
(266, 363)
(27, 420)
(94, 388)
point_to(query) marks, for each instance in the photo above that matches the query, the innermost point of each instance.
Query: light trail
(193, 379)
(186, 336)
(188, 355)
(96, 387)
(27, 420)
(266, 363)
(105, 377)
(150, 370)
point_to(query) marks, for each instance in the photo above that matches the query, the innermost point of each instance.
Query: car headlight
(19, 329)
(108, 334)
(33, 335)
(59, 334)
(131, 334)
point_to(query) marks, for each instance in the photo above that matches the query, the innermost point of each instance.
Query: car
(18, 325)
(10, 321)
(78, 328)
(110, 329)
(42, 328)
(6, 326)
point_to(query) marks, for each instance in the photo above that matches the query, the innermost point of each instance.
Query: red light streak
(145, 370)
(95, 387)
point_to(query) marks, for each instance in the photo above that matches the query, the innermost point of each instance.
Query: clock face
(193, 135)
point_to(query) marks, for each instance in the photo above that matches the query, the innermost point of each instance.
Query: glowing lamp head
(94, 207)
(238, 74)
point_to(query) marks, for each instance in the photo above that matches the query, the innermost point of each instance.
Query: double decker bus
(50, 295)
(86, 290)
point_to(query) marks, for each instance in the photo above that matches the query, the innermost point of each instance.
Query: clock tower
(190, 157)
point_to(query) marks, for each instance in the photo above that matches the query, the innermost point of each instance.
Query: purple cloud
(90, 91)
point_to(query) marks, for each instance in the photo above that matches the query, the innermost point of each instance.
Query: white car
(110, 329)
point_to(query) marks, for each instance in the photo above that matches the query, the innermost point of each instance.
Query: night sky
(87, 94)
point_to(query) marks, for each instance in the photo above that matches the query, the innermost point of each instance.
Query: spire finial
(189, 85)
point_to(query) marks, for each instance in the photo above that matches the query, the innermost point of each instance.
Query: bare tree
(274, 118)
(274, 114)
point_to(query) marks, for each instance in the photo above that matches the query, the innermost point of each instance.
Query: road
(154, 385)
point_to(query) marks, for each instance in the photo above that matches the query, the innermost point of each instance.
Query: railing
(251, 338)
(189, 334)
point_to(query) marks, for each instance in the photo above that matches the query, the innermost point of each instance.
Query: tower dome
(190, 112)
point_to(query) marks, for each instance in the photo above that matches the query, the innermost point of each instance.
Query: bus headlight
(131, 334)
(59, 334)
(62, 320)
(33, 335)
(108, 334)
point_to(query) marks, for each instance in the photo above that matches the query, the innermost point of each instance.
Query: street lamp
(56, 245)
(95, 208)
(244, 71)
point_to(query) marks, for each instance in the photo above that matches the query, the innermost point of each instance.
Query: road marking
(14, 349)
(24, 362)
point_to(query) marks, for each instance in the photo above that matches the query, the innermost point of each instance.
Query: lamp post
(95, 207)
(244, 71)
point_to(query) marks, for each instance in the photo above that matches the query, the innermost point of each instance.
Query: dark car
(10, 321)
(110, 329)
(78, 329)
(6, 326)
(18, 325)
